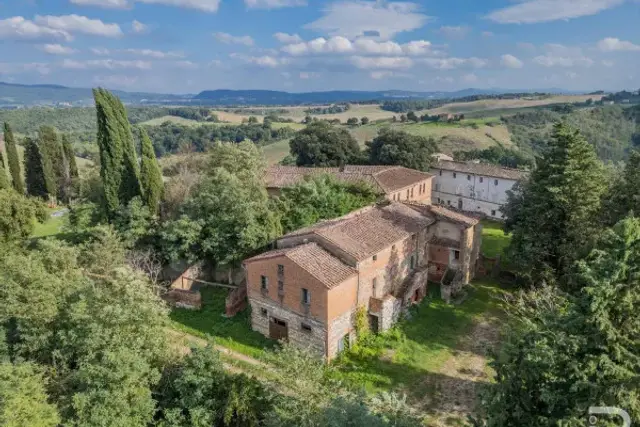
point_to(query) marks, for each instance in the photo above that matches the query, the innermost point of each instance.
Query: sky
(185, 46)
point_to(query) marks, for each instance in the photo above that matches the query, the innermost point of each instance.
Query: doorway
(278, 329)
(460, 204)
(374, 323)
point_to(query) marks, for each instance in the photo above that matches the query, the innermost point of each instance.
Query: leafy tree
(364, 120)
(70, 157)
(150, 174)
(252, 120)
(13, 160)
(352, 121)
(403, 118)
(243, 160)
(35, 177)
(320, 144)
(52, 159)
(412, 117)
(17, 215)
(553, 215)
(318, 198)
(395, 147)
(23, 398)
(565, 353)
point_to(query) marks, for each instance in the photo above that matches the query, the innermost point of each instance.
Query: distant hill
(18, 95)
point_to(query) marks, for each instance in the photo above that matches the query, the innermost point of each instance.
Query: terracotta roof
(442, 213)
(316, 261)
(481, 169)
(385, 178)
(444, 242)
(370, 231)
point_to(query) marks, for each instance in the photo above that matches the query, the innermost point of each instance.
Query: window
(449, 202)
(455, 175)
(412, 192)
(264, 282)
(374, 285)
(306, 296)
(393, 247)
(468, 177)
(407, 194)
(481, 179)
(493, 213)
(280, 286)
(440, 171)
(375, 257)
(413, 261)
(495, 182)
(280, 269)
(456, 254)
(305, 328)
(263, 312)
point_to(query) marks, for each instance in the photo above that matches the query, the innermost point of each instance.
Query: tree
(623, 197)
(412, 117)
(150, 174)
(320, 144)
(364, 120)
(13, 160)
(252, 120)
(553, 215)
(318, 198)
(52, 159)
(352, 121)
(130, 184)
(23, 398)
(564, 353)
(395, 147)
(70, 157)
(403, 118)
(17, 215)
(35, 177)
(4, 178)
(243, 160)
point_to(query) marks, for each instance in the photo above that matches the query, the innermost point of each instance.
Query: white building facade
(473, 187)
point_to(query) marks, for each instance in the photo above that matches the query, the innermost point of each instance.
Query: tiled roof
(481, 169)
(316, 261)
(385, 178)
(440, 212)
(367, 233)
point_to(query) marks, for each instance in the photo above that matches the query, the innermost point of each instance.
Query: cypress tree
(13, 159)
(70, 157)
(110, 149)
(52, 161)
(34, 170)
(130, 184)
(150, 174)
(4, 178)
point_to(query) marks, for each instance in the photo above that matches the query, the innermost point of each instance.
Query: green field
(51, 226)
(494, 240)
(276, 151)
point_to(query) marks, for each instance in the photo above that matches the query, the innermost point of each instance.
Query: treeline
(173, 138)
(498, 155)
(612, 130)
(332, 109)
(197, 114)
(623, 97)
(405, 105)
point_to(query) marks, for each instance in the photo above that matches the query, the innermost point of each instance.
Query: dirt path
(457, 383)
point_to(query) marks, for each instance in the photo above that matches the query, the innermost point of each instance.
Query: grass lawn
(234, 333)
(51, 226)
(276, 151)
(494, 240)
(408, 358)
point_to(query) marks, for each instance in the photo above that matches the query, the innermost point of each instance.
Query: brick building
(396, 183)
(308, 289)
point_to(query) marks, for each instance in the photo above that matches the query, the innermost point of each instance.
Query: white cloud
(361, 46)
(470, 78)
(229, 39)
(378, 75)
(16, 68)
(138, 27)
(511, 61)
(358, 18)
(186, 65)
(107, 4)
(287, 38)
(265, 61)
(19, 28)
(57, 49)
(306, 75)
(378, 48)
(203, 5)
(273, 4)
(109, 64)
(81, 24)
(100, 51)
(611, 44)
(454, 32)
(563, 61)
(417, 47)
(452, 63)
(533, 11)
(157, 54)
(335, 44)
(383, 62)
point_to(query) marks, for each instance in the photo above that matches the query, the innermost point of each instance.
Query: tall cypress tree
(4, 178)
(150, 174)
(35, 177)
(110, 148)
(554, 215)
(13, 159)
(70, 157)
(52, 161)
(130, 185)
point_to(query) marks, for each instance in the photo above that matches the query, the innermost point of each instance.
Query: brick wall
(418, 192)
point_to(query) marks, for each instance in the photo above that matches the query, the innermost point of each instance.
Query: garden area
(494, 240)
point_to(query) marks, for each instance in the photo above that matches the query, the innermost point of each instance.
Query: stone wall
(341, 326)
(391, 309)
(315, 340)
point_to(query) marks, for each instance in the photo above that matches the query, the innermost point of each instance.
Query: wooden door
(278, 329)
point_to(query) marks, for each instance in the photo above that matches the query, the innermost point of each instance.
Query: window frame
(264, 283)
(305, 293)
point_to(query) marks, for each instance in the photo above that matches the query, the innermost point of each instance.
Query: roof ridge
(301, 265)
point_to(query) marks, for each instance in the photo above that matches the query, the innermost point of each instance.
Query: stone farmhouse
(396, 183)
(473, 187)
(377, 260)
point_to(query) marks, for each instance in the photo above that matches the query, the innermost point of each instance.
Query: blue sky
(185, 46)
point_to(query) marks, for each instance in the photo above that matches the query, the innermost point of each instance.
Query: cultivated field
(501, 104)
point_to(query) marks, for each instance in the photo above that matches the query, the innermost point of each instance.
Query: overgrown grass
(494, 240)
(407, 356)
(51, 226)
(209, 323)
